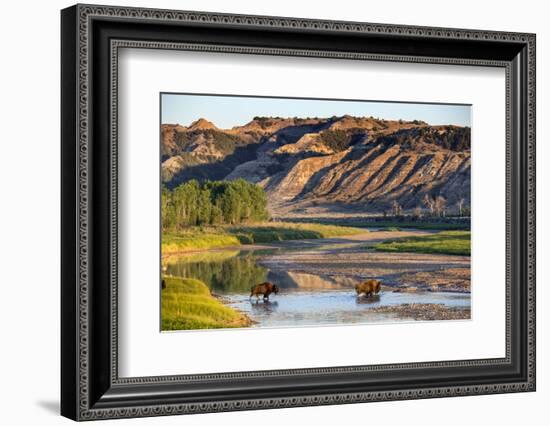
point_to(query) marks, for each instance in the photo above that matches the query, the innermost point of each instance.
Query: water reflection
(263, 307)
(223, 272)
(366, 300)
(232, 271)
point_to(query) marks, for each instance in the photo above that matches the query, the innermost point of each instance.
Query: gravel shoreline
(424, 312)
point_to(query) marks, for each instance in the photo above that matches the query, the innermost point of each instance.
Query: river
(317, 279)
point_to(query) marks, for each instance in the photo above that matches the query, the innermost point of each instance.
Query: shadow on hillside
(215, 170)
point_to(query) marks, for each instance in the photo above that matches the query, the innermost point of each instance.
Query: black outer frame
(90, 387)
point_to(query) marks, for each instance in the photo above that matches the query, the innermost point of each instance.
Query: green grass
(186, 304)
(224, 236)
(447, 224)
(436, 226)
(175, 243)
(449, 242)
(205, 256)
(279, 231)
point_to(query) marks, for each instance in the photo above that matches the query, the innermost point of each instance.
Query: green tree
(218, 202)
(204, 207)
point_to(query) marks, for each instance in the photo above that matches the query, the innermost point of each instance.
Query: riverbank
(203, 238)
(424, 312)
(343, 261)
(187, 304)
(453, 280)
(448, 242)
(360, 220)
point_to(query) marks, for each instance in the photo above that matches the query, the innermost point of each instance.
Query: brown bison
(368, 288)
(265, 289)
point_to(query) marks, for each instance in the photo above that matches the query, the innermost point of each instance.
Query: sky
(229, 111)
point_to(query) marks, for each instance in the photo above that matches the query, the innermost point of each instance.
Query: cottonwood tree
(396, 208)
(429, 203)
(209, 203)
(460, 206)
(439, 205)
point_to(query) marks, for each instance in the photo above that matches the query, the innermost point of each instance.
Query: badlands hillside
(323, 166)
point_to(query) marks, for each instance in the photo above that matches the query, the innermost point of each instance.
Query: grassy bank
(188, 305)
(427, 226)
(280, 231)
(224, 236)
(175, 243)
(448, 224)
(449, 242)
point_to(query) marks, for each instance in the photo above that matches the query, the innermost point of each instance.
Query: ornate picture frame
(91, 37)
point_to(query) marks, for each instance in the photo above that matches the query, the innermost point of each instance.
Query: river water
(300, 308)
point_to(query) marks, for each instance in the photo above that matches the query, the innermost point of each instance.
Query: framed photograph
(263, 212)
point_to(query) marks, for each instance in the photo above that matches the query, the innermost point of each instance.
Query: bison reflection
(265, 308)
(367, 300)
(264, 289)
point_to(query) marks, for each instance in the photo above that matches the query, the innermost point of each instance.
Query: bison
(265, 289)
(368, 288)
